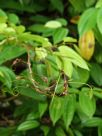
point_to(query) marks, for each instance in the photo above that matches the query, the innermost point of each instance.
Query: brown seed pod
(87, 45)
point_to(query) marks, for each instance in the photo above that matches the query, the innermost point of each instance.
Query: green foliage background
(46, 87)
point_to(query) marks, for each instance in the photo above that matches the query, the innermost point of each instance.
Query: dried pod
(87, 45)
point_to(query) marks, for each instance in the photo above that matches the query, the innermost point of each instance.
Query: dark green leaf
(57, 4)
(96, 73)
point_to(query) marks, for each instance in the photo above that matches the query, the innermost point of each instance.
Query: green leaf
(73, 57)
(13, 18)
(87, 20)
(98, 36)
(77, 77)
(67, 67)
(59, 34)
(96, 73)
(42, 108)
(58, 4)
(45, 129)
(100, 129)
(87, 104)
(3, 16)
(70, 40)
(78, 133)
(78, 5)
(92, 122)
(39, 28)
(7, 76)
(99, 20)
(89, 3)
(27, 37)
(69, 109)
(27, 125)
(60, 132)
(7, 131)
(23, 89)
(63, 21)
(10, 52)
(56, 109)
(99, 4)
(53, 24)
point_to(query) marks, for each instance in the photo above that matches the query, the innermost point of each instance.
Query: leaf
(53, 24)
(45, 129)
(56, 109)
(58, 4)
(98, 4)
(77, 77)
(10, 52)
(98, 36)
(78, 5)
(70, 40)
(89, 3)
(87, 104)
(87, 21)
(99, 20)
(36, 38)
(78, 133)
(100, 130)
(63, 21)
(42, 108)
(3, 16)
(60, 132)
(7, 76)
(92, 122)
(7, 131)
(96, 73)
(59, 34)
(69, 109)
(39, 28)
(67, 67)
(13, 18)
(32, 93)
(27, 125)
(73, 57)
